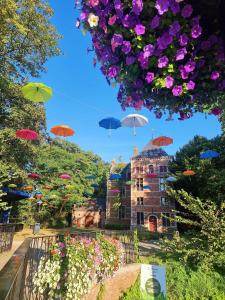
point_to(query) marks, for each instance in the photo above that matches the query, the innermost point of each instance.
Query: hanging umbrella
(27, 134)
(147, 187)
(65, 176)
(62, 130)
(115, 176)
(110, 123)
(152, 175)
(69, 187)
(134, 121)
(28, 188)
(94, 185)
(130, 182)
(33, 175)
(115, 191)
(48, 187)
(37, 92)
(38, 195)
(171, 179)
(209, 154)
(31, 198)
(12, 186)
(162, 141)
(188, 173)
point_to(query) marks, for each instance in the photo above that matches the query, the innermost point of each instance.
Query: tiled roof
(151, 153)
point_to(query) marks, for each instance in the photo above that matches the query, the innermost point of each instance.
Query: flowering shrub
(75, 265)
(157, 51)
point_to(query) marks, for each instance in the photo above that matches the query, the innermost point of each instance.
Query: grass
(183, 283)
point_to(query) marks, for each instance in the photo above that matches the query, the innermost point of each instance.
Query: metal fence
(19, 272)
(6, 237)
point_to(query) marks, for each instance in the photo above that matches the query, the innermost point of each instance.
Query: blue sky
(82, 98)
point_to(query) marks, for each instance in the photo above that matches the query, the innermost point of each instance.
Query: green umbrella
(12, 186)
(37, 92)
(130, 182)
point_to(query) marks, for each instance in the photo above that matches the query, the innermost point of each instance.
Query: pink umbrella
(65, 176)
(33, 175)
(152, 175)
(115, 191)
(27, 134)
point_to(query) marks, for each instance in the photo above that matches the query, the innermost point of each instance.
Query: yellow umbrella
(37, 92)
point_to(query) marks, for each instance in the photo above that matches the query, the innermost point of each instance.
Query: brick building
(142, 192)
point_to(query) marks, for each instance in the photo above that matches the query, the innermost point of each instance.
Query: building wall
(86, 217)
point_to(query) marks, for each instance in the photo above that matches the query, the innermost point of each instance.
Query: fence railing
(6, 236)
(16, 278)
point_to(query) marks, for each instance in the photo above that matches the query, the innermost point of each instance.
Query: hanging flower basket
(158, 53)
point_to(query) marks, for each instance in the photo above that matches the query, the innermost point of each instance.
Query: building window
(165, 201)
(163, 169)
(140, 218)
(139, 184)
(122, 210)
(173, 223)
(150, 169)
(162, 182)
(165, 221)
(140, 201)
(137, 169)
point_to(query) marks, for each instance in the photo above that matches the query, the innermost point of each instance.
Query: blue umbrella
(171, 179)
(110, 123)
(147, 187)
(86, 195)
(90, 177)
(209, 154)
(115, 176)
(94, 185)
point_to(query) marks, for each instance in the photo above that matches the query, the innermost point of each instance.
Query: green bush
(184, 283)
(117, 226)
(147, 235)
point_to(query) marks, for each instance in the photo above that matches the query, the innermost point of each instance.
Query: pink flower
(177, 90)
(169, 81)
(181, 53)
(191, 85)
(94, 3)
(112, 20)
(163, 62)
(196, 31)
(139, 29)
(215, 75)
(150, 77)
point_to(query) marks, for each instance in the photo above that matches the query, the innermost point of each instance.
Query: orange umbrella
(28, 188)
(188, 173)
(162, 141)
(62, 130)
(48, 187)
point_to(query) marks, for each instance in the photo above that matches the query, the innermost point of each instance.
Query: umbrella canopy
(115, 176)
(62, 130)
(94, 185)
(115, 191)
(147, 187)
(110, 123)
(130, 182)
(171, 179)
(134, 121)
(48, 187)
(209, 154)
(65, 176)
(188, 173)
(12, 186)
(152, 175)
(162, 141)
(37, 92)
(90, 177)
(28, 188)
(27, 134)
(33, 175)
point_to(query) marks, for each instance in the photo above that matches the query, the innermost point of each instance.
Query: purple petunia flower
(191, 85)
(116, 41)
(118, 8)
(148, 50)
(190, 66)
(130, 60)
(183, 39)
(187, 11)
(137, 6)
(126, 47)
(139, 29)
(174, 6)
(183, 73)
(196, 31)
(216, 111)
(215, 75)
(205, 45)
(113, 71)
(164, 41)
(150, 77)
(143, 60)
(177, 90)
(129, 21)
(84, 15)
(163, 62)
(174, 28)
(195, 21)
(169, 81)
(162, 6)
(200, 63)
(181, 53)
(155, 22)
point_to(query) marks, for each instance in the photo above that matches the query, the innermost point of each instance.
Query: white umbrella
(134, 120)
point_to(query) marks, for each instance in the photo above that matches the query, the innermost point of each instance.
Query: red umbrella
(33, 175)
(27, 134)
(162, 141)
(152, 175)
(65, 176)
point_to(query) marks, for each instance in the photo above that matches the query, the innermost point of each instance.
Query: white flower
(93, 20)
